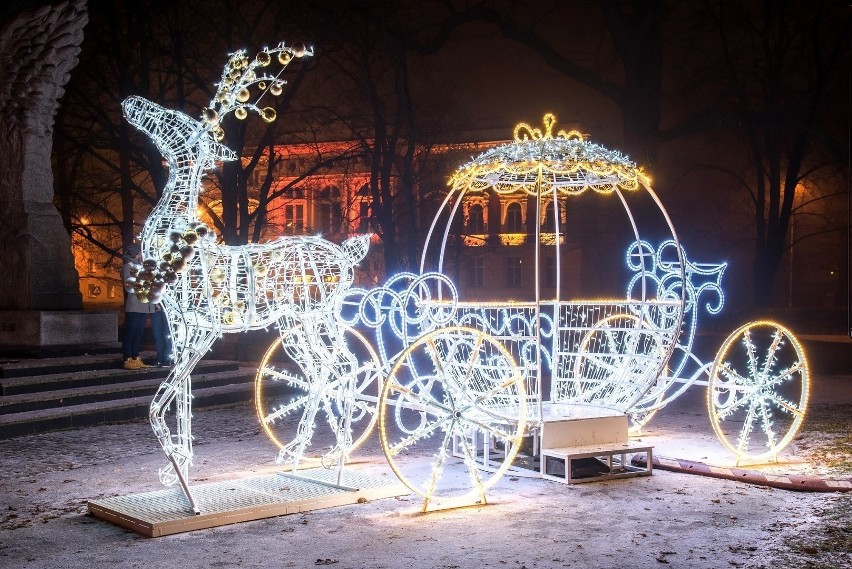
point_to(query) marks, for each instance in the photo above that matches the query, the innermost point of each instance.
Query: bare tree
(161, 50)
(776, 90)
(377, 91)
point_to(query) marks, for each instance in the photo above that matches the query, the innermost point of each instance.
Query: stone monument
(40, 301)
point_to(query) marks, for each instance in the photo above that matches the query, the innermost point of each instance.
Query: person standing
(135, 314)
(162, 336)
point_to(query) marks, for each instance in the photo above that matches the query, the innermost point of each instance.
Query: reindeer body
(289, 282)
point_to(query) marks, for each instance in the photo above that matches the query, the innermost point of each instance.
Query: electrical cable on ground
(795, 482)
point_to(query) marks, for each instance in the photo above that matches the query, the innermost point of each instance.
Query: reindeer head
(173, 131)
(176, 133)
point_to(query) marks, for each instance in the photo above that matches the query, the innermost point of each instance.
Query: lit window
(294, 219)
(329, 211)
(476, 220)
(514, 221)
(549, 225)
(325, 222)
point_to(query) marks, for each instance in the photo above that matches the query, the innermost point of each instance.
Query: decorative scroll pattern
(657, 272)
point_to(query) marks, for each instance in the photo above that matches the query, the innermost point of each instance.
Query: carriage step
(590, 463)
(238, 388)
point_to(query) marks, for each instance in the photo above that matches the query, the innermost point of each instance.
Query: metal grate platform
(166, 512)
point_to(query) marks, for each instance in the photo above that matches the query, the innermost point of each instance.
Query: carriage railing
(608, 353)
(626, 354)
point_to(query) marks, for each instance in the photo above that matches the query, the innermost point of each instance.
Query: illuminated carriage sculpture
(445, 378)
(454, 379)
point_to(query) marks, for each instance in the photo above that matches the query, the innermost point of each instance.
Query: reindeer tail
(355, 248)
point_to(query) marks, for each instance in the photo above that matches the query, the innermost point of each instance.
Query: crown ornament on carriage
(539, 161)
(246, 81)
(523, 131)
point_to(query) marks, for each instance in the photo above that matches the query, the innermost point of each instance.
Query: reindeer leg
(344, 366)
(294, 450)
(178, 448)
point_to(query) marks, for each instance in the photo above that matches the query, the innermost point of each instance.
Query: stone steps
(52, 377)
(113, 391)
(64, 393)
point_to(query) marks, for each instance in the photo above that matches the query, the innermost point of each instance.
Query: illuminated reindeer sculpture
(208, 288)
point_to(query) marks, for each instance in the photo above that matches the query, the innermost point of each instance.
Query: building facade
(490, 246)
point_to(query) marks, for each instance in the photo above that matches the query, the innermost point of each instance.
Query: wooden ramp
(166, 512)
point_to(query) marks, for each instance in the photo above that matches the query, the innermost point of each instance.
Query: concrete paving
(669, 518)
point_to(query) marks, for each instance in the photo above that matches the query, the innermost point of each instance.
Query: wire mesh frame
(666, 336)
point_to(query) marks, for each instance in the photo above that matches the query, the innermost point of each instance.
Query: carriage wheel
(758, 390)
(283, 395)
(617, 358)
(453, 385)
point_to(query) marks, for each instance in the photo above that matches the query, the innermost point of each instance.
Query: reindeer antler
(241, 76)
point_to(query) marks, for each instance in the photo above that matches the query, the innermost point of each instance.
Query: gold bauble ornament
(299, 49)
(210, 115)
(263, 59)
(284, 58)
(268, 114)
(241, 113)
(243, 95)
(276, 89)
